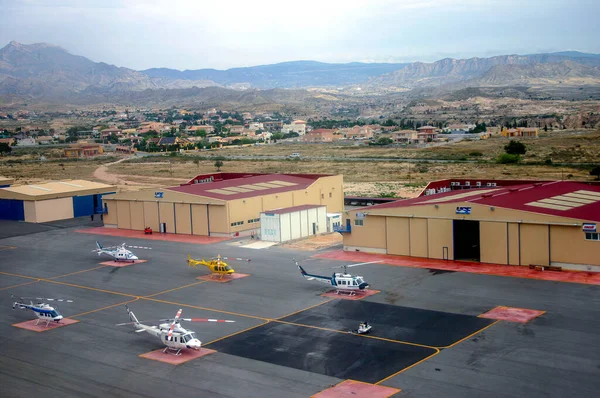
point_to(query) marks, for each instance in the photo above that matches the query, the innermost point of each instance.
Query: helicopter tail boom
(132, 316)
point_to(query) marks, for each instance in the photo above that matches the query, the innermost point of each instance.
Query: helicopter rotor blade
(139, 247)
(206, 320)
(52, 299)
(354, 265)
(236, 258)
(170, 334)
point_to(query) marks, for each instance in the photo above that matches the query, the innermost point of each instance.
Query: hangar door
(466, 240)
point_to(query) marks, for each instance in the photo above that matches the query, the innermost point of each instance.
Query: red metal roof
(206, 189)
(519, 197)
(292, 209)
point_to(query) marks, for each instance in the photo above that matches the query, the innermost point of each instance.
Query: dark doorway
(466, 240)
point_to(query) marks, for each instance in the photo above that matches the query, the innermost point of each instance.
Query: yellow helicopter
(216, 265)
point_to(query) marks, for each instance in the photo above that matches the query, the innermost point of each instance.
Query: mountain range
(44, 72)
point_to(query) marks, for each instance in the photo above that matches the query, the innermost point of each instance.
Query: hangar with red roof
(547, 223)
(221, 204)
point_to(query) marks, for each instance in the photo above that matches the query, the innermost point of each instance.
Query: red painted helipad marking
(41, 326)
(357, 389)
(122, 263)
(129, 233)
(346, 296)
(511, 314)
(590, 278)
(224, 279)
(170, 357)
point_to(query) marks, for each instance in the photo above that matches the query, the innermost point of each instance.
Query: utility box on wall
(291, 223)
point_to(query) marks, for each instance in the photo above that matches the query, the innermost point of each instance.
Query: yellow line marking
(105, 308)
(2, 247)
(176, 288)
(205, 308)
(78, 272)
(233, 334)
(307, 308)
(20, 276)
(20, 284)
(361, 335)
(408, 367)
(89, 288)
(471, 335)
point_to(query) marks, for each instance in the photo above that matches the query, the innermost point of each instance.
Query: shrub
(515, 148)
(507, 158)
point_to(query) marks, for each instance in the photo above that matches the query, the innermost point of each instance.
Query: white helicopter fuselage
(43, 311)
(180, 338)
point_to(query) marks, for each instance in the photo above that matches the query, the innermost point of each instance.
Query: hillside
(283, 75)
(449, 70)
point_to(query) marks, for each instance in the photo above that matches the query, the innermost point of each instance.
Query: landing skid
(38, 321)
(168, 350)
(349, 292)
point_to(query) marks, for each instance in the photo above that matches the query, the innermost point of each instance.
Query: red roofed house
(222, 204)
(545, 223)
(319, 135)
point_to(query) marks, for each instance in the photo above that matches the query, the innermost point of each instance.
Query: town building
(222, 204)
(297, 126)
(520, 132)
(320, 135)
(82, 150)
(552, 223)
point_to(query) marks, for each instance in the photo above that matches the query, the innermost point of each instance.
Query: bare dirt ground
(316, 242)
(370, 178)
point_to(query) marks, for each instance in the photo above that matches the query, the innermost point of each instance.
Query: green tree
(515, 148)
(219, 164)
(4, 148)
(596, 172)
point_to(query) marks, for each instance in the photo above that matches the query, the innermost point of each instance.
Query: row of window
(592, 236)
(253, 220)
(235, 224)
(271, 231)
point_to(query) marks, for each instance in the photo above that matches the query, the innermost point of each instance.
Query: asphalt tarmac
(277, 312)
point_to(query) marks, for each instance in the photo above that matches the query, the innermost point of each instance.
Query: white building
(292, 223)
(297, 126)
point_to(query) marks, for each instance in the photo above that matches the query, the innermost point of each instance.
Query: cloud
(196, 34)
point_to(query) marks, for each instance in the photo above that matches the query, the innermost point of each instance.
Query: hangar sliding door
(466, 240)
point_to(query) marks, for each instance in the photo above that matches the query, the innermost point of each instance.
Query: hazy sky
(195, 34)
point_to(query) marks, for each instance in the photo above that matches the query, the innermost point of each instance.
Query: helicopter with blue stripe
(342, 281)
(44, 311)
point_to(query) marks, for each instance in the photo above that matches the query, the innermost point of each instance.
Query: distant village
(174, 130)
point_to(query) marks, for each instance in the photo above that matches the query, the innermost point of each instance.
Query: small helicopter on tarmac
(119, 252)
(216, 265)
(343, 282)
(170, 332)
(43, 311)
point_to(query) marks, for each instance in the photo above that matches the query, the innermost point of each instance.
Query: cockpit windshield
(227, 268)
(186, 338)
(360, 280)
(192, 336)
(53, 313)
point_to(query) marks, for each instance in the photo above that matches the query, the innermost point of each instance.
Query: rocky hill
(296, 74)
(449, 70)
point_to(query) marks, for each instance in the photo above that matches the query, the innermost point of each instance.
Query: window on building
(592, 236)
(330, 195)
(253, 220)
(235, 224)
(322, 196)
(359, 223)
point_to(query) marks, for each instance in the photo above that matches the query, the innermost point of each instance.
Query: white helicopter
(170, 332)
(119, 252)
(343, 282)
(43, 311)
